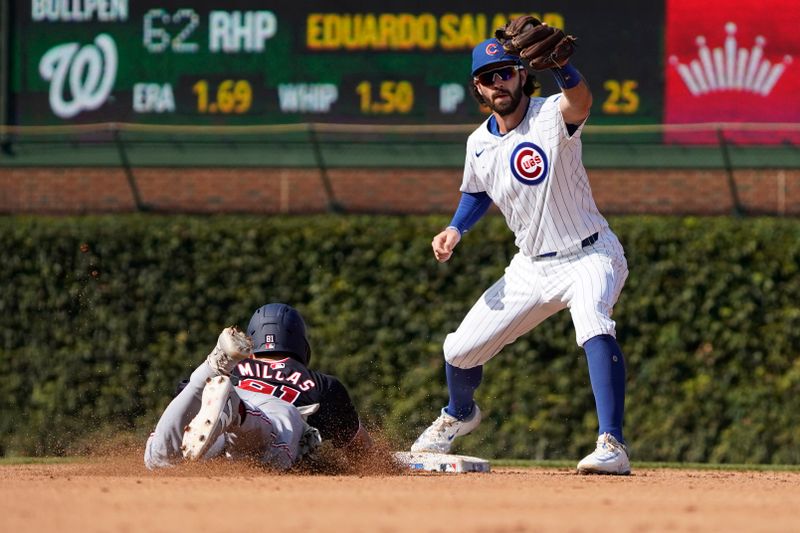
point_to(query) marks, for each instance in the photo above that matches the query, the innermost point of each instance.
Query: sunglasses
(505, 74)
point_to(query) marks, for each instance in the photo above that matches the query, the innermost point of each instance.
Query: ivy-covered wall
(101, 316)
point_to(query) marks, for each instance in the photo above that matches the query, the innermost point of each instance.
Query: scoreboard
(255, 62)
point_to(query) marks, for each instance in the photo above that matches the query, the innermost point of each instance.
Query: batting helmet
(279, 328)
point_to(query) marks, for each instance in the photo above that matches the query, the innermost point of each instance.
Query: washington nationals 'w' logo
(529, 164)
(90, 70)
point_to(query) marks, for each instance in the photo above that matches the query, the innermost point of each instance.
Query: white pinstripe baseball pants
(586, 280)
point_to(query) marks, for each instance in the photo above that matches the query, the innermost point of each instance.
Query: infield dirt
(119, 495)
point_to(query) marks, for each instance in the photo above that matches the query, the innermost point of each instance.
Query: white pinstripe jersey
(535, 176)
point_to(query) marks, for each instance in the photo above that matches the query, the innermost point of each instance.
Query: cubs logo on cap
(529, 164)
(489, 52)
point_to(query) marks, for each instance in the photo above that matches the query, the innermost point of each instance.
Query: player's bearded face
(505, 101)
(504, 98)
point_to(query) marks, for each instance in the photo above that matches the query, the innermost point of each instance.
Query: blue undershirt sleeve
(471, 207)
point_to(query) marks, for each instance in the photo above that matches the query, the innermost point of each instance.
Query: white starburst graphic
(730, 68)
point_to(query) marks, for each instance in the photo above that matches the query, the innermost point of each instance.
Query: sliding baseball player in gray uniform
(255, 398)
(526, 159)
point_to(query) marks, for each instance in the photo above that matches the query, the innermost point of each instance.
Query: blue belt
(591, 239)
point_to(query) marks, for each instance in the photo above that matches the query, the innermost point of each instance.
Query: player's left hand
(444, 243)
(539, 45)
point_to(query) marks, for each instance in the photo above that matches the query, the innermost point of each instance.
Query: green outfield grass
(39, 460)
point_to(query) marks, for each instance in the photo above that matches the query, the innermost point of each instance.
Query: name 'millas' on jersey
(288, 379)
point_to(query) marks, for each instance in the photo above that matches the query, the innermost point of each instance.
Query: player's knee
(596, 320)
(154, 456)
(460, 356)
(451, 355)
(606, 328)
(459, 362)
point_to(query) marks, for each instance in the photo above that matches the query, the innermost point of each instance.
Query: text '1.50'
(385, 97)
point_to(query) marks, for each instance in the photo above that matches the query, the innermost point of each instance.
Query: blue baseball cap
(489, 52)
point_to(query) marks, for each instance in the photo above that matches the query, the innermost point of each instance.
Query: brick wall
(270, 191)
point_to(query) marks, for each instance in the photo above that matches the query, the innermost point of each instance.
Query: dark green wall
(102, 315)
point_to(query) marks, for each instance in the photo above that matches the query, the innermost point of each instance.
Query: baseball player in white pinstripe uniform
(526, 159)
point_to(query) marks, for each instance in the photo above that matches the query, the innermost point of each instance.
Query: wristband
(455, 228)
(567, 76)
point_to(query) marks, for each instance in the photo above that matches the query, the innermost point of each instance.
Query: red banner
(733, 62)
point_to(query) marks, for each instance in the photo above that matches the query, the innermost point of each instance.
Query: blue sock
(607, 374)
(461, 383)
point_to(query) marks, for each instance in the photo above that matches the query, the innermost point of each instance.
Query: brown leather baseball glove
(539, 45)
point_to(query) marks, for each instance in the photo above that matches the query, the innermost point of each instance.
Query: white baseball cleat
(218, 413)
(439, 436)
(609, 457)
(232, 346)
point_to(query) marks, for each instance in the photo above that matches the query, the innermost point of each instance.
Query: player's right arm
(471, 207)
(337, 419)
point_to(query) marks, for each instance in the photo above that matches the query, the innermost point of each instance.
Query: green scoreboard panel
(256, 62)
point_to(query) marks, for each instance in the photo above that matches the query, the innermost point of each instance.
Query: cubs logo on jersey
(529, 164)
